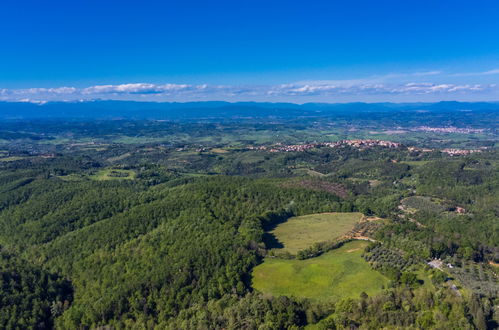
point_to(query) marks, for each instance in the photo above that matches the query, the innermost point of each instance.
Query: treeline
(401, 307)
(404, 307)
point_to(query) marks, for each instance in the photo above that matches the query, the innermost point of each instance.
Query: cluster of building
(279, 147)
(360, 144)
(48, 155)
(438, 264)
(448, 129)
(371, 143)
(353, 143)
(416, 149)
(449, 151)
(295, 147)
(460, 152)
(257, 148)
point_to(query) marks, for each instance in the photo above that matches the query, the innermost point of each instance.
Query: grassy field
(219, 151)
(11, 159)
(113, 174)
(336, 274)
(299, 233)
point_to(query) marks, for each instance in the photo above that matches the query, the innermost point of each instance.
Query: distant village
(302, 147)
(449, 129)
(360, 144)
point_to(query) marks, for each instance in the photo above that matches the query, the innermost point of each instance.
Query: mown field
(336, 274)
(299, 233)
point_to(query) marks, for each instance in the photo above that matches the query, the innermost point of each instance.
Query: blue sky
(296, 51)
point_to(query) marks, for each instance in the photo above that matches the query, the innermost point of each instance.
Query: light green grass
(315, 173)
(219, 151)
(11, 159)
(106, 174)
(72, 177)
(299, 233)
(336, 274)
(120, 157)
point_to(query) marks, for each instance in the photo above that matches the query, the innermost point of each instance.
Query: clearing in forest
(299, 233)
(113, 174)
(335, 274)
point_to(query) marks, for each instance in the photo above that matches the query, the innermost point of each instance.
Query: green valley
(337, 274)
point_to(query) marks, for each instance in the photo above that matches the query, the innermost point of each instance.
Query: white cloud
(429, 88)
(35, 91)
(495, 71)
(354, 89)
(470, 74)
(31, 101)
(137, 88)
(414, 88)
(426, 73)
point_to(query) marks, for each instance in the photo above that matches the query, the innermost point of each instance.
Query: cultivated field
(299, 233)
(336, 274)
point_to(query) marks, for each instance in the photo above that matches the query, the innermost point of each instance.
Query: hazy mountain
(214, 109)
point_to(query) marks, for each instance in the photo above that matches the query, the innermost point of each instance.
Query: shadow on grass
(272, 219)
(269, 222)
(271, 242)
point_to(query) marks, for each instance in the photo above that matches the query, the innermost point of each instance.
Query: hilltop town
(359, 144)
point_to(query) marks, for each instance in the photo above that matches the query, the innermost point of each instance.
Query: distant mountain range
(216, 109)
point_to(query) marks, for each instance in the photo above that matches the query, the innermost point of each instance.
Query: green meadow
(301, 232)
(11, 159)
(113, 174)
(336, 274)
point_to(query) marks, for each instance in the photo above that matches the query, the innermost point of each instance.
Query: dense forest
(146, 235)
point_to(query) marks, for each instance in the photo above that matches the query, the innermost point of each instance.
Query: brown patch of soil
(368, 219)
(494, 264)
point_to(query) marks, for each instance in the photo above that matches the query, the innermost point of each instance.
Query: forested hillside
(145, 236)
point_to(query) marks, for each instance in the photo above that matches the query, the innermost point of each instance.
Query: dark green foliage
(250, 312)
(403, 308)
(29, 296)
(155, 252)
